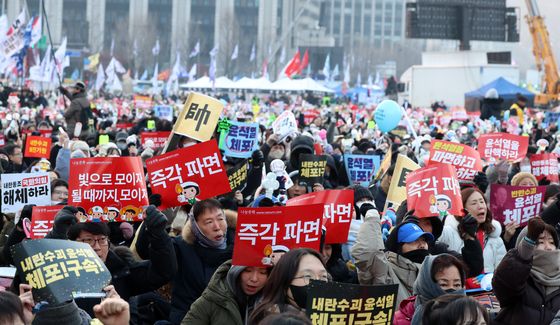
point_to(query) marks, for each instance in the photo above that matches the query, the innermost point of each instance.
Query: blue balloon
(387, 115)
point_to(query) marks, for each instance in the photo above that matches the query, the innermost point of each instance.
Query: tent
(306, 84)
(206, 83)
(252, 84)
(506, 90)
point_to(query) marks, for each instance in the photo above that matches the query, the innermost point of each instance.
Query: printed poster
(19, 190)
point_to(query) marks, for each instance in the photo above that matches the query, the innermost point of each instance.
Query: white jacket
(494, 249)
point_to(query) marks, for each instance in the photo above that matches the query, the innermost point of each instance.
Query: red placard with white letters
(503, 146)
(42, 220)
(465, 159)
(158, 138)
(545, 165)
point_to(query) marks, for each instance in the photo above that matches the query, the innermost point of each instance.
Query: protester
(491, 105)
(454, 309)
(11, 309)
(79, 110)
(59, 191)
(338, 269)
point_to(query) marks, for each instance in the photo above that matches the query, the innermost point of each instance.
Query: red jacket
(403, 316)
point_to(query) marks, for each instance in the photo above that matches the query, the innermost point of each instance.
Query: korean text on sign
(237, 176)
(516, 203)
(312, 168)
(360, 168)
(21, 189)
(503, 146)
(241, 139)
(42, 220)
(545, 166)
(158, 138)
(199, 117)
(465, 159)
(37, 147)
(261, 230)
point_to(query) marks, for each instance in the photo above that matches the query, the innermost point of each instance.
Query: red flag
(304, 62)
(293, 66)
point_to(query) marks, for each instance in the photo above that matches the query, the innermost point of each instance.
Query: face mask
(416, 256)
(276, 154)
(121, 145)
(300, 295)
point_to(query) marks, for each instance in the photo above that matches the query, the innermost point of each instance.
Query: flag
(253, 54)
(283, 55)
(3, 26)
(214, 51)
(75, 74)
(335, 72)
(45, 63)
(359, 80)
(235, 52)
(100, 77)
(36, 31)
(112, 46)
(155, 77)
(212, 69)
(118, 66)
(377, 79)
(144, 75)
(369, 81)
(265, 69)
(293, 66)
(347, 74)
(155, 49)
(60, 57)
(327, 67)
(192, 73)
(13, 41)
(196, 50)
(135, 48)
(304, 62)
(93, 62)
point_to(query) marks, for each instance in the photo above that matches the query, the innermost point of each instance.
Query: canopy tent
(306, 84)
(206, 83)
(506, 90)
(255, 84)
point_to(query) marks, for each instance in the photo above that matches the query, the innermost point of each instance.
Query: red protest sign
(142, 102)
(108, 189)
(516, 203)
(465, 159)
(310, 115)
(124, 126)
(262, 231)
(502, 146)
(545, 165)
(186, 175)
(434, 191)
(37, 147)
(42, 220)
(158, 138)
(337, 213)
(2, 140)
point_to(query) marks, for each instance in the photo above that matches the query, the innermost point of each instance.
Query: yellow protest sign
(385, 164)
(397, 190)
(199, 117)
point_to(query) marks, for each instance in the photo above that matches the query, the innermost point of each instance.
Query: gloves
(258, 158)
(535, 228)
(155, 221)
(127, 230)
(469, 225)
(63, 220)
(365, 208)
(155, 200)
(481, 181)
(26, 212)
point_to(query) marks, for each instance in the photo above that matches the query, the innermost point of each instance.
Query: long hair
(275, 292)
(453, 309)
(487, 224)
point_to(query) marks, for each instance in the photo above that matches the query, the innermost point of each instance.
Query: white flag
(235, 52)
(155, 49)
(144, 75)
(283, 55)
(327, 67)
(59, 56)
(196, 50)
(100, 77)
(359, 80)
(154, 77)
(118, 66)
(214, 51)
(112, 46)
(369, 81)
(335, 72)
(13, 41)
(135, 48)
(192, 73)
(36, 31)
(347, 74)
(253, 54)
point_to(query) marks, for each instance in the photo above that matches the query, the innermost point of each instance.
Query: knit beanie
(361, 193)
(517, 178)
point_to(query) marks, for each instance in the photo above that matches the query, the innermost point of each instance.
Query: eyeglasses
(103, 241)
(308, 277)
(60, 193)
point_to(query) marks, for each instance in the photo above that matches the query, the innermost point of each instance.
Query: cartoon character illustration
(440, 204)
(273, 254)
(82, 215)
(112, 214)
(96, 214)
(187, 192)
(130, 213)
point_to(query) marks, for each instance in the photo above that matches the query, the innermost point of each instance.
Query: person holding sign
(527, 281)
(476, 224)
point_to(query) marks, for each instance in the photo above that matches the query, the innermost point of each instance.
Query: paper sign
(361, 168)
(37, 147)
(465, 159)
(237, 176)
(310, 115)
(337, 213)
(503, 146)
(312, 168)
(164, 112)
(261, 231)
(397, 189)
(516, 203)
(199, 117)
(142, 102)
(545, 165)
(103, 139)
(434, 191)
(284, 125)
(241, 139)
(26, 188)
(158, 138)
(552, 117)
(42, 220)
(385, 164)
(344, 303)
(59, 270)
(108, 189)
(186, 175)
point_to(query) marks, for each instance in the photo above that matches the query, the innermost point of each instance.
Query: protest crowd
(279, 209)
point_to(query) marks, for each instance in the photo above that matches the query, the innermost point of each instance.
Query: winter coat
(74, 113)
(338, 270)
(375, 266)
(196, 265)
(493, 250)
(522, 300)
(218, 303)
(303, 144)
(404, 315)
(491, 107)
(379, 197)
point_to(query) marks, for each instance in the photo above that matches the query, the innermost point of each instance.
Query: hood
(336, 254)
(188, 235)
(218, 289)
(301, 144)
(332, 165)
(233, 284)
(424, 287)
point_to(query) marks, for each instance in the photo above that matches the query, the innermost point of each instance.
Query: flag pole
(50, 40)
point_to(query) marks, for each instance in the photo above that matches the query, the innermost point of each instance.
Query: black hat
(79, 85)
(361, 193)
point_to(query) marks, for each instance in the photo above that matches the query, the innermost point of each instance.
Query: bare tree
(228, 38)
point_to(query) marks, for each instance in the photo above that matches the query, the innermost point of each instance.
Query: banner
(199, 117)
(186, 175)
(60, 270)
(545, 165)
(111, 189)
(465, 159)
(434, 191)
(26, 188)
(337, 212)
(240, 140)
(361, 168)
(261, 231)
(503, 146)
(42, 220)
(344, 303)
(142, 102)
(237, 176)
(516, 203)
(312, 168)
(397, 189)
(158, 138)
(310, 115)
(37, 147)
(285, 125)
(164, 112)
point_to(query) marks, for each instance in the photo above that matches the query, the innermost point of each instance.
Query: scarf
(546, 269)
(205, 241)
